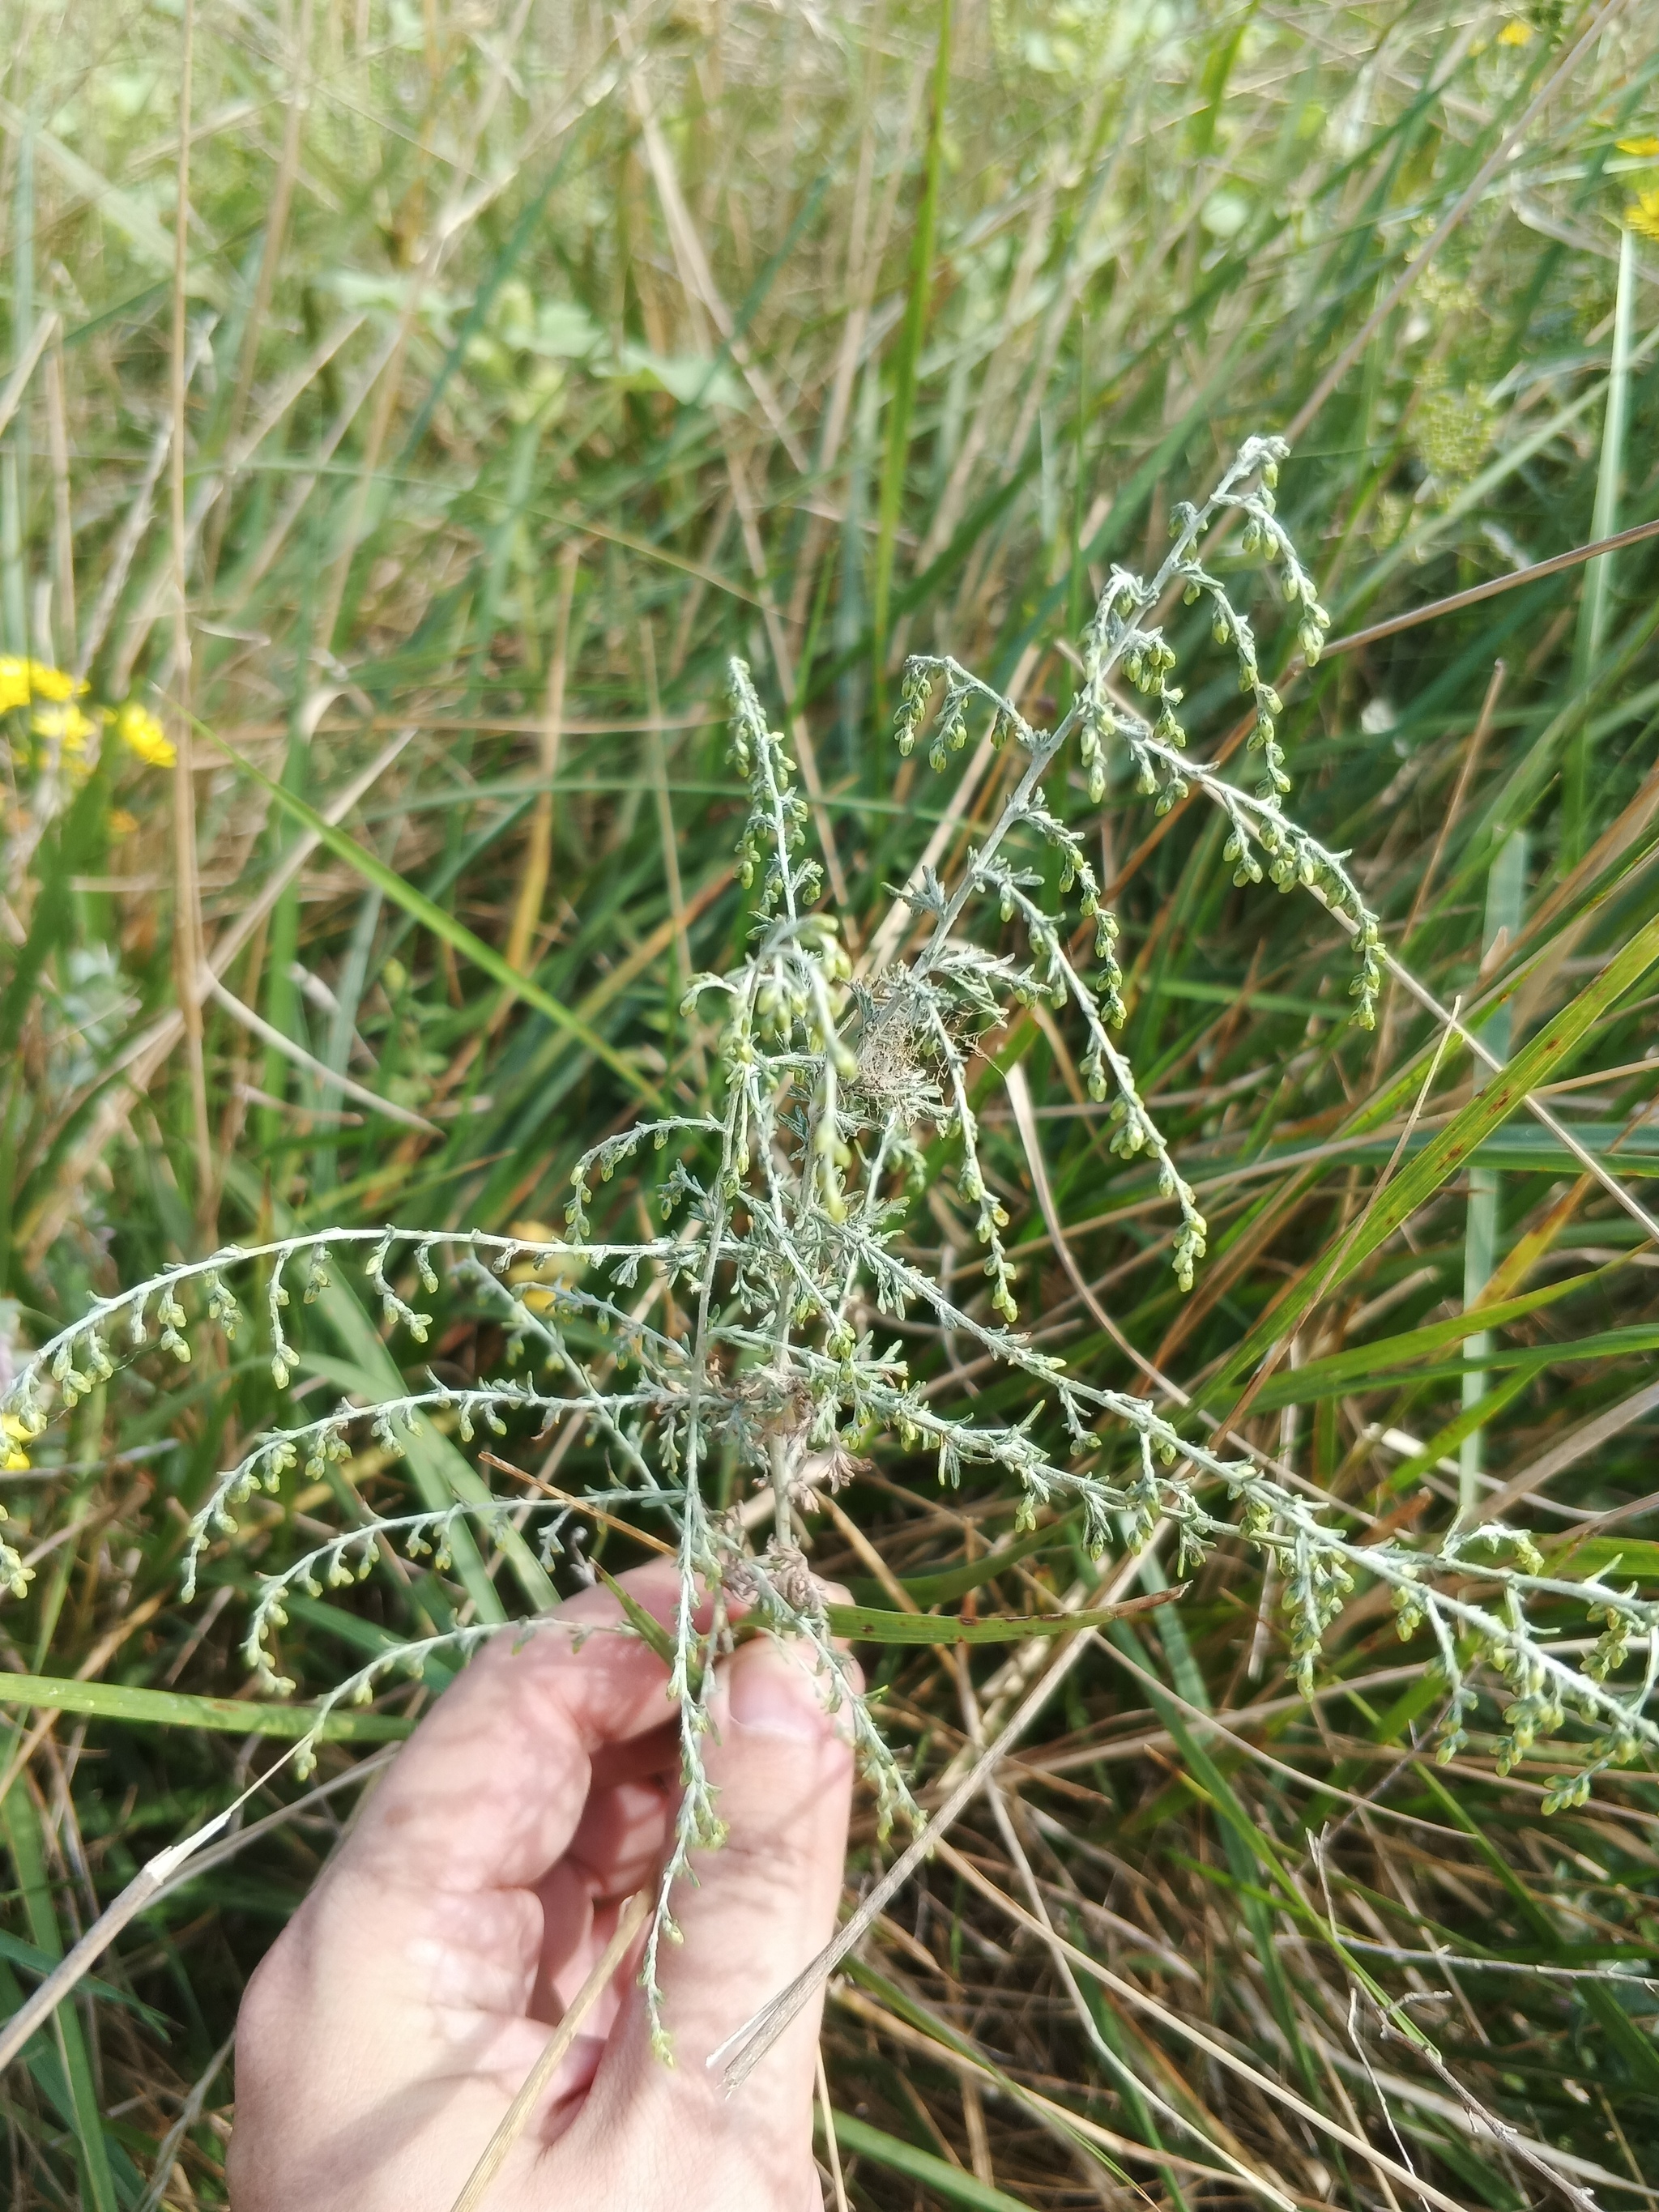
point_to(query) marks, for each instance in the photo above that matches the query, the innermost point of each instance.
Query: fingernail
(771, 1690)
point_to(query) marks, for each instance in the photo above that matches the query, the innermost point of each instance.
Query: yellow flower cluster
(141, 733)
(13, 1460)
(52, 698)
(1643, 214)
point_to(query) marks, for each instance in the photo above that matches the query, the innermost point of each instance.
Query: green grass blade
(1505, 895)
(1384, 1357)
(59, 858)
(117, 1701)
(1632, 2044)
(858, 2139)
(454, 934)
(1547, 1057)
(865, 1624)
(24, 1843)
(895, 459)
(956, 1582)
(1598, 578)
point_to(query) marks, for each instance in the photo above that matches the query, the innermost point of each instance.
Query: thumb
(765, 1901)
(761, 1907)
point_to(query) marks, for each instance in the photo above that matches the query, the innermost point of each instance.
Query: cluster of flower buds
(1613, 1645)
(1317, 1585)
(1410, 1607)
(831, 1153)
(776, 828)
(1191, 1239)
(1567, 1792)
(222, 1309)
(950, 734)
(282, 1359)
(77, 1382)
(1240, 857)
(1368, 978)
(993, 1218)
(1263, 535)
(1109, 639)
(1452, 1735)
(395, 1310)
(603, 1159)
(1144, 1500)
(1296, 861)
(1108, 984)
(1147, 662)
(1229, 627)
(951, 730)
(915, 688)
(1264, 738)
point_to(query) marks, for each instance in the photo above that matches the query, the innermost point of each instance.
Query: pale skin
(384, 2036)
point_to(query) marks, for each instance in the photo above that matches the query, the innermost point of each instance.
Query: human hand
(384, 2036)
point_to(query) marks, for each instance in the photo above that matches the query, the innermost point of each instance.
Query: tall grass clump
(658, 671)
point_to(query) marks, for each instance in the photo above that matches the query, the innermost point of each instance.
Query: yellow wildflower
(1643, 214)
(1643, 149)
(48, 683)
(23, 682)
(13, 1436)
(141, 733)
(121, 824)
(1516, 33)
(65, 726)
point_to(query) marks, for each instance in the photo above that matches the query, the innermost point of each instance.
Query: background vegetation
(524, 360)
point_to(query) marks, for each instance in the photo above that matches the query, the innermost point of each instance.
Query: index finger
(488, 1791)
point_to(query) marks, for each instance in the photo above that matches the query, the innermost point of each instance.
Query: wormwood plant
(743, 1346)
